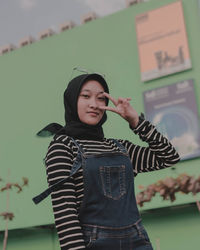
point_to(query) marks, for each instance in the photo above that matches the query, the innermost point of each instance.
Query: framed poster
(162, 41)
(173, 110)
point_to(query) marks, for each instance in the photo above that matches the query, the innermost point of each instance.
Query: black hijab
(74, 127)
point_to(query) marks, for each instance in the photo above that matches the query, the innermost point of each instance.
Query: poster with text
(162, 41)
(173, 110)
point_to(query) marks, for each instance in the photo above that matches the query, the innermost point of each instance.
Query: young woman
(91, 178)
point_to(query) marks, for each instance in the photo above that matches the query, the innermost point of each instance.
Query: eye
(85, 96)
(101, 98)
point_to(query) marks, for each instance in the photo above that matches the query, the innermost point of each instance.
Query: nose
(93, 103)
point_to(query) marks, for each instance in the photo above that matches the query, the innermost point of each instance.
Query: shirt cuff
(140, 125)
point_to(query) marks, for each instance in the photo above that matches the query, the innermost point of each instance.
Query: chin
(90, 122)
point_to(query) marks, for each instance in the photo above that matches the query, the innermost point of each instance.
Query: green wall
(33, 80)
(173, 228)
(31, 238)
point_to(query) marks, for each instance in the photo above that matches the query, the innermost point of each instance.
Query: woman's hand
(123, 108)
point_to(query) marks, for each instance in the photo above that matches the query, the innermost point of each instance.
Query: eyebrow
(88, 90)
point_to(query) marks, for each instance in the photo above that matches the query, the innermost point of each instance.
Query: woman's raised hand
(123, 108)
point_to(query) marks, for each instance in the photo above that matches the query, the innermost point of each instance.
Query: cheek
(102, 112)
(103, 104)
(79, 107)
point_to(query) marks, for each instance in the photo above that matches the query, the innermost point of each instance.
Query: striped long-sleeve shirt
(67, 200)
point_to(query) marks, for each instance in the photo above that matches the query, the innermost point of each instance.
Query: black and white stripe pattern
(59, 160)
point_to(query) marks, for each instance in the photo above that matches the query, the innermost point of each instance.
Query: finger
(113, 100)
(123, 102)
(121, 99)
(112, 109)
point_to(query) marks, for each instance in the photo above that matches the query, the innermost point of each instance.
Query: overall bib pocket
(113, 181)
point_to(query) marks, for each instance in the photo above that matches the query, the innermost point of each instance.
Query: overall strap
(120, 146)
(80, 149)
(75, 167)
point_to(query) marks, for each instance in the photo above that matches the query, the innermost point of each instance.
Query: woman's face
(90, 98)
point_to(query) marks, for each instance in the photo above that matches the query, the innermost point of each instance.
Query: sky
(22, 18)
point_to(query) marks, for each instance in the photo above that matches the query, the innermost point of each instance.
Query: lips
(92, 113)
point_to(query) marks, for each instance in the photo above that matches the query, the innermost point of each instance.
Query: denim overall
(108, 214)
